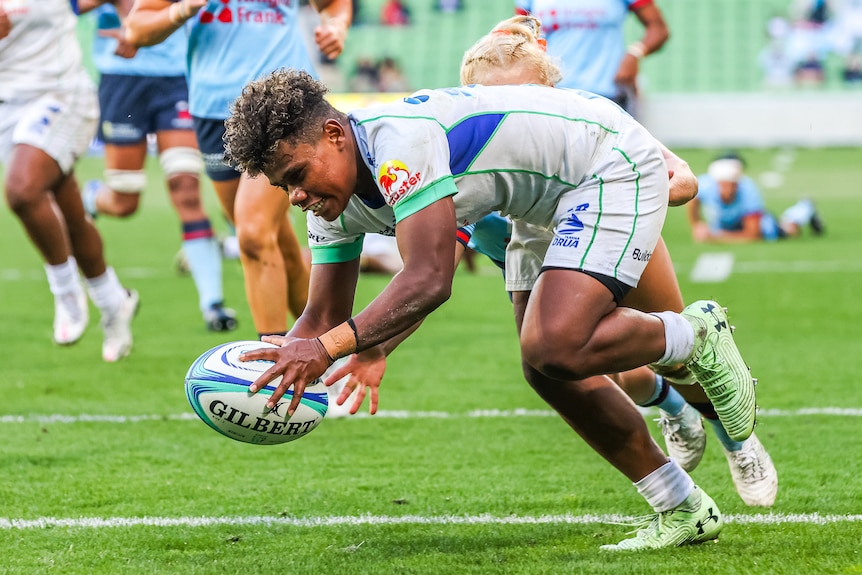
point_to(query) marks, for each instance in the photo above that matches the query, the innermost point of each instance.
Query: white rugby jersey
(41, 53)
(511, 149)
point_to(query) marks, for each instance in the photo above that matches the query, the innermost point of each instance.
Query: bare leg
(600, 413)
(260, 212)
(296, 268)
(573, 329)
(184, 188)
(131, 158)
(56, 223)
(31, 177)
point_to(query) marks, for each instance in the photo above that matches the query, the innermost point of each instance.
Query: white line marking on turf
(768, 266)
(712, 267)
(384, 414)
(364, 520)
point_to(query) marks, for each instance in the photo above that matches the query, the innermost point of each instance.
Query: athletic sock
(708, 412)
(665, 397)
(63, 278)
(107, 292)
(666, 487)
(678, 336)
(204, 258)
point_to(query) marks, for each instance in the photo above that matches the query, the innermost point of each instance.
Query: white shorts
(380, 245)
(609, 225)
(62, 124)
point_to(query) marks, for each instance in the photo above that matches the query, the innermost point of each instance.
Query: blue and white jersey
(586, 39)
(728, 217)
(41, 52)
(509, 149)
(232, 42)
(167, 58)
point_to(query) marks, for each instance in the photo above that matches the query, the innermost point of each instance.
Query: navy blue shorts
(210, 133)
(134, 106)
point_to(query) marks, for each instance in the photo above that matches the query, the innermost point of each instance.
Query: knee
(126, 204)
(186, 196)
(21, 196)
(557, 356)
(253, 242)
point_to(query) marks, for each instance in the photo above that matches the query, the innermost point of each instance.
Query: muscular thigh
(565, 306)
(658, 289)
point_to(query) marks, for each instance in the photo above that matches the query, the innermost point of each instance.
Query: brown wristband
(340, 341)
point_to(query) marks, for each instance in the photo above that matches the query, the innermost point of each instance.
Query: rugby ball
(217, 389)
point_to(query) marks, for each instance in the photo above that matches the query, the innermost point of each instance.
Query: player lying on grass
(443, 158)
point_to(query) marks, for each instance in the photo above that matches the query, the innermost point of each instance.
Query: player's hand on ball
(365, 371)
(298, 362)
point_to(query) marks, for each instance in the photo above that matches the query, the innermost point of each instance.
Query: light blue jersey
(165, 59)
(586, 39)
(720, 216)
(232, 42)
(488, 236)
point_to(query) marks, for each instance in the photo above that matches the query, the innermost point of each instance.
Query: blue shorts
(134, 106)
(210, 133)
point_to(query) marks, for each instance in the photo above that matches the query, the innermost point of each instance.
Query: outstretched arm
(152, 21)
(335, 19)
(425, 282)
(366, 368)
(655, 35)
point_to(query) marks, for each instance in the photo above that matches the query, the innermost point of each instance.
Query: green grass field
(104, 469)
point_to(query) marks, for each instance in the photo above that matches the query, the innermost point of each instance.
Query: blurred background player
(48, 115)
(730, 209)
(586, 38)
(231, 42)
(144, 92)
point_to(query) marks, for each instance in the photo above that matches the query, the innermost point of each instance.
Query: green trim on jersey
(438, 190)
(400, 117)
(598, 220)
(336, 253)
(637, 195)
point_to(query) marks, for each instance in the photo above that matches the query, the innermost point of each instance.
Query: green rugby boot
(720, 369)
(695, 520)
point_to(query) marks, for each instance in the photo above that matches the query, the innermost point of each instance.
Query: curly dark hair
(286, 105)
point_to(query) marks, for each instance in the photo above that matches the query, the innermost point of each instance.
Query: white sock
(678, 337)
(666, 487)
(63, 278)
(799, 213)
(106, 292)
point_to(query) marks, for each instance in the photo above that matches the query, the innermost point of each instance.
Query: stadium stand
(714, 46)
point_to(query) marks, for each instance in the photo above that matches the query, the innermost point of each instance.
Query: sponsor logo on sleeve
(396, 180)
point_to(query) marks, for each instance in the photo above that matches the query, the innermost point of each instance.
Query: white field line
(753, 267)
(712, 267)
(384, 414)
(372, 520)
